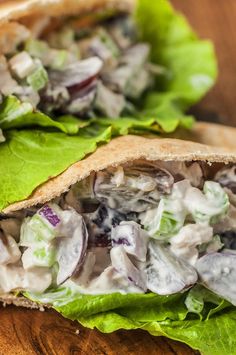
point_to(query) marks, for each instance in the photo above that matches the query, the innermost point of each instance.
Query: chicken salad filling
(77, 68)
(158, 227)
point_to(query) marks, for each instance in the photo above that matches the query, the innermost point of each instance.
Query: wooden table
(215, 19)
(30, 332)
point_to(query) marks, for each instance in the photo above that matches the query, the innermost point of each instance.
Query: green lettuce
(211, 330)
(144, 125)
(214, 336)
(28, 158)
(15, 114)
(190, 63)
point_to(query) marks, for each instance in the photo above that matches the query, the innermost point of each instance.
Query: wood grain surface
(26, 331)
(215, 20)
(32, 332)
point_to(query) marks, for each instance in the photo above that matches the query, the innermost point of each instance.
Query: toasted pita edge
(21, 301)
(15, 10)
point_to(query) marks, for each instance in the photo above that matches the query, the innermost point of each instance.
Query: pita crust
(211, 134)
(20, 302)
(128, 148)
(15, 10)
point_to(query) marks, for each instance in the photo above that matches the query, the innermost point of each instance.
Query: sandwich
(65, 65)
(140, 234)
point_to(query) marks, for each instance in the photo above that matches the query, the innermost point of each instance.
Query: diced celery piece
(59, 58)
(166, 220)
(36, 231)
(38, 79)
(44, 256)
(215, 206)
(36, 48)
(215, 193)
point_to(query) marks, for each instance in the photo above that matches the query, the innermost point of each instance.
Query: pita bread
(215, 135)
(15, 10)
(126, 149)
(20, 302)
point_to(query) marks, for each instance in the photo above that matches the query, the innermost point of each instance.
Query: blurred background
(216, 20)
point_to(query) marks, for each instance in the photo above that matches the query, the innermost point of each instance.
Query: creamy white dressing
(184, 202)
(196, 202)
(55, 247)
(108, 272)
(134, 188)
(31, 259)
(166, 274)
(184, 243)
(110, 281)
(13, 277)
(133, 239)
(217, 272)
(123, 265)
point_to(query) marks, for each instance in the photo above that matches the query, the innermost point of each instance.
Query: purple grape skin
(72, 258)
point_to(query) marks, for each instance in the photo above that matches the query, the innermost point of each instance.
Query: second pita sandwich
(65, 64)
(141, 234)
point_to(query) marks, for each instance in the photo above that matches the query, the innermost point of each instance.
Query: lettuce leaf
(15, 114)
(190, 63)
(153, 119)
(214, 336)
(28, 158)
(210, 331)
